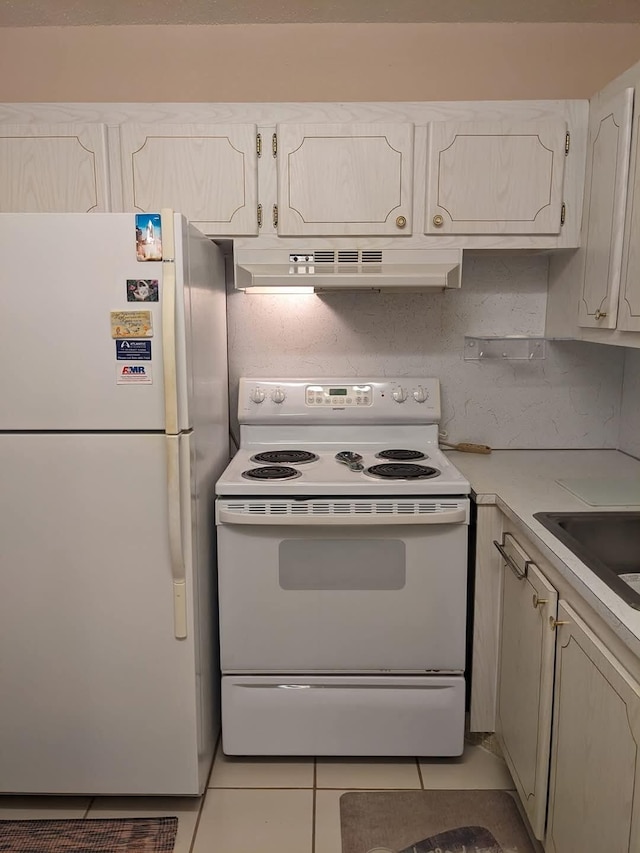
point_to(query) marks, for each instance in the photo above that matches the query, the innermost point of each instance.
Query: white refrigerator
(113, 431)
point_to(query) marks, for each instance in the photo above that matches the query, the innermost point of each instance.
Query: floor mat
(116, 835)
(432, 822)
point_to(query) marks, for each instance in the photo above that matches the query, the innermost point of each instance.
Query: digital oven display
(337, 392)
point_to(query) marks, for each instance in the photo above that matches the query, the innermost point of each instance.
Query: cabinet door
(604, 208)
(525, 686)
(629, 310)
(495, 178)
(594, 801)
(207, 172)
(58, 168)
(345, 179)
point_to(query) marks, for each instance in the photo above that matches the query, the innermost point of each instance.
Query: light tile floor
(275, 805)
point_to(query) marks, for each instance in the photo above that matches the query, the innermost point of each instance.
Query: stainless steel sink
(607, 542)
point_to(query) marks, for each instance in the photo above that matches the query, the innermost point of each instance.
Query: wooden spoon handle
(468, 447)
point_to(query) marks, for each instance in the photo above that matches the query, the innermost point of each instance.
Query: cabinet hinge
(259, 215)
(259, 144)
(275, 215)
(563, 213)
(567, 143)
(274, 144)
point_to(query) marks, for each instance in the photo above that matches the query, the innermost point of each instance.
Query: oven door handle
(226, 516)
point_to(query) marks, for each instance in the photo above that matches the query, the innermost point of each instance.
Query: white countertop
(523, 482)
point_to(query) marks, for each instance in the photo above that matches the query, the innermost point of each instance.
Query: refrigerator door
(80, 342)
(98, 694)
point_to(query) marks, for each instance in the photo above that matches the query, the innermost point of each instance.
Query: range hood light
(286, 288)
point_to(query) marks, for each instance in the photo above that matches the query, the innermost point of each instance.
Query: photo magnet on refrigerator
(142, 290)
(148, 237)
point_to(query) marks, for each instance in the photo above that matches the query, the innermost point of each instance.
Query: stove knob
(400, 394)
(257, 395)
(420, 395)
(278, 396)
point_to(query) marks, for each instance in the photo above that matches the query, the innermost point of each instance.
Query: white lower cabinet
(594, 802)
(568, 711)
(525, 687)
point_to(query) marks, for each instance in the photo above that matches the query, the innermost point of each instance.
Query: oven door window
(342, 564)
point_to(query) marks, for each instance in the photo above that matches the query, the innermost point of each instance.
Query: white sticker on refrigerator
(133, 373)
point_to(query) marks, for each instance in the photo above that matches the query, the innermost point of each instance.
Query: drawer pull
(521, 575)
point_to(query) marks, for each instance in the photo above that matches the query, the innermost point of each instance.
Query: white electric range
(342, 584)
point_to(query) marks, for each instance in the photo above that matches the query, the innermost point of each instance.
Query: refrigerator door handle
(169, 322)
(176, 551)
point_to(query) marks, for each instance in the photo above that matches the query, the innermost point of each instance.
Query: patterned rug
(432, 822)
(117, 835)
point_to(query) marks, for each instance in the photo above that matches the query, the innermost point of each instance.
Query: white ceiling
(32, 13)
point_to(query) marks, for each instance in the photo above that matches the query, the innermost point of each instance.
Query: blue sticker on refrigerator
(128, 350)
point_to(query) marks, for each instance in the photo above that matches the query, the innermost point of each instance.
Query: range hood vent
(324, 270)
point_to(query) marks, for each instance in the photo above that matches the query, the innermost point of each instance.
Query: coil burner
(271, 472)
(401, 455)
(283, 457)
(400, 471)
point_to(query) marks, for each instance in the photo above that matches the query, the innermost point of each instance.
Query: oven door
(342, 585)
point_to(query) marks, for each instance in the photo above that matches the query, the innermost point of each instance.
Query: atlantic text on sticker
(135, 350)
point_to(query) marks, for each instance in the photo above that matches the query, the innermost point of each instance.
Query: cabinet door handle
(537, 602)
(509, 561)
(553, 623)
(599, 315)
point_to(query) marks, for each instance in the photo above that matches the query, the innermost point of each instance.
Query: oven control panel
(339, 395)
(348, 400)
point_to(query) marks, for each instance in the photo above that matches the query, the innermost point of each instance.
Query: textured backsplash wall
(630, 409)
(569, 400)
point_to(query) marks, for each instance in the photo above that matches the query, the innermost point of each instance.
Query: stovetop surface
(326, 476)
(320, 418)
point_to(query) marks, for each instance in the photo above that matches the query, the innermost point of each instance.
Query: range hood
(323, 270)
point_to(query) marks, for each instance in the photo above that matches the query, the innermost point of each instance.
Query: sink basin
(607, 542)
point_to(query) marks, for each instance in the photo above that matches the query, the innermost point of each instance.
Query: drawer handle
(509, 561)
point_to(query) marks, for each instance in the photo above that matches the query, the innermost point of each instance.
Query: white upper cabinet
(207, 172)
(604, 208)
(629, 307)
(495, 177)
(345, 179)
(57, 168)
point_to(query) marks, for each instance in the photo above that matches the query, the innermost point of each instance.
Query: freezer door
(98, 694)
(81, 331)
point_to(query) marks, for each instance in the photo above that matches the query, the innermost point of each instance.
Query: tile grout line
(217, 747)
(313, 809)
(197, 826)
(314, 804)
